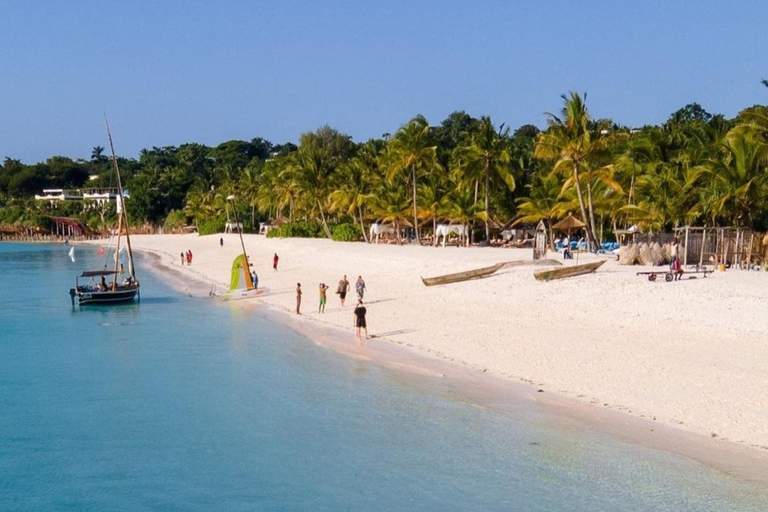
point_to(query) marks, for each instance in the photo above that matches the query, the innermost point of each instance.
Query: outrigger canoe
(569, 271)
(479, 273)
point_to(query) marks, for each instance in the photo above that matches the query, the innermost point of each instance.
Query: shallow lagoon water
(178, 403)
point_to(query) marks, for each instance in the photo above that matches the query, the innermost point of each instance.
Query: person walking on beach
(189, 257)
(360, 325)
(298, 298)
(221, 241)
(360, 287)
(674, 259)
(342, 289)
(567, 248)
(182, 259)
(323, 298)
(255, 279)
(274, 262)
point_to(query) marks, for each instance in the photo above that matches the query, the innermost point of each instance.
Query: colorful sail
(241, 275)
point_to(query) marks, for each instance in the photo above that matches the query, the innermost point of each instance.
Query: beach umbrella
(568, 224)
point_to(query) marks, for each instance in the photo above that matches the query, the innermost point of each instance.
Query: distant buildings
(92, 197)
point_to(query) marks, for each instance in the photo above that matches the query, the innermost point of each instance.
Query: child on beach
(298, 298)
(360, 325)
(323, 298)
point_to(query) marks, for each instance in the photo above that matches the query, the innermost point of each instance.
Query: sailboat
(113, 292)
(241, 285)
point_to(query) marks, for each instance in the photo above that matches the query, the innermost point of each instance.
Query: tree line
(695, 168)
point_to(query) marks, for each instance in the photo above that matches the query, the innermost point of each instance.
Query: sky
(172, 72)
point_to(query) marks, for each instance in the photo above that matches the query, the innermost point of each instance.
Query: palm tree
(741, 173)
(573, 146)
(462, 208)
(391, 205)
(357, 179)
(313, 174)
(97, 155)
(411, 151)
(485, 157)
(545, 201)
(432, 197)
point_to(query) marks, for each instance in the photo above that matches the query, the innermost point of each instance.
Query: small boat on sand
(479, 273)
(243, 284)
(569, 271)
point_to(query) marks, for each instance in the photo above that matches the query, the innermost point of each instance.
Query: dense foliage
(695, 168)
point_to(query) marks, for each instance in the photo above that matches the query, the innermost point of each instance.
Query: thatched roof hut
(569, 223)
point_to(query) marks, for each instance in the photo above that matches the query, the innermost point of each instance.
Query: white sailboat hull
(241, 294)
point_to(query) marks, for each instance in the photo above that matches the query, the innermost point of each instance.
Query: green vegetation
(693, 168)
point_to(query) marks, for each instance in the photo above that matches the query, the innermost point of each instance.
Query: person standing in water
(360, 287)
(298, 298)
(323, 298)
(360, 325)
(342, 289)
(274, 262)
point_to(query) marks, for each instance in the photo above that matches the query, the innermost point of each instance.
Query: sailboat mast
(123, 215)
(246, 263)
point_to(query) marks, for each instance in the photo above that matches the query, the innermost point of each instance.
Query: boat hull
(480, 273)
(241, 294)
(569, 271)
(88, 298)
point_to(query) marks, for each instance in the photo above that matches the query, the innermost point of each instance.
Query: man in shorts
(342, 289)
(323, 298)
(360, 325)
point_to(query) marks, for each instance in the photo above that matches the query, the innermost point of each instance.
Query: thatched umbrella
(568, 224)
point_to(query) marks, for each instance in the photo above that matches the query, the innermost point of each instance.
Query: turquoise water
(179, 403)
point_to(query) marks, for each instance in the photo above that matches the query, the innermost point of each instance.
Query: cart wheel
(652, 277)
(669, 277)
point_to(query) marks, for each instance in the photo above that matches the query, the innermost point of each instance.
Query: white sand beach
(691, 355)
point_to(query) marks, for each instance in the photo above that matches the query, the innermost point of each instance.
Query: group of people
(361, 328)
(186, 257)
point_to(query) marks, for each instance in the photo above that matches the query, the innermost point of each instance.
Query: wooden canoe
(482, 272)
(462, 276)
(569, 271)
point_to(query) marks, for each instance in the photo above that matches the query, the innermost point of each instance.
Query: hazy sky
(172, 72)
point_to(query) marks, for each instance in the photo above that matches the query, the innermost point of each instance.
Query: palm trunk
(362, 224)
(551, 236)
(415, 207)
(487, 204)
(325, 224)
(591, 211)
(584, 217)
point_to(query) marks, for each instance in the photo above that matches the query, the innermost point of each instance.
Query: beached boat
(114, 292)
(462, 276)
(569, 271)
(482, 272)
(242, 284)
